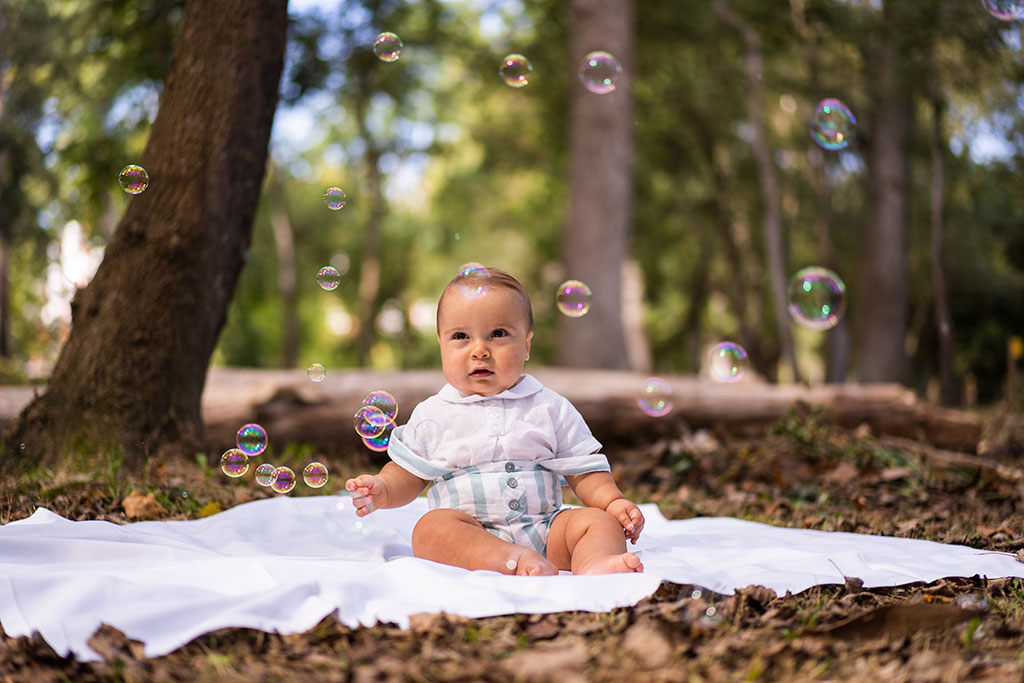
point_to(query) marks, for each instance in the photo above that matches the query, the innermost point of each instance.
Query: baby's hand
(366, 490)
(629, 516)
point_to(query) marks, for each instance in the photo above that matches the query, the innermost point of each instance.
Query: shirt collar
(527, 386)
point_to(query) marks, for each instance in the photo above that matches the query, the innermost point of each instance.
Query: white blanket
(284, 564)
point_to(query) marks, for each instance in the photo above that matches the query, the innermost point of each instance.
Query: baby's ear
(529, 338)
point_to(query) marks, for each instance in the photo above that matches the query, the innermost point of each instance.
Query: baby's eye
(460, 335)
(499, 333)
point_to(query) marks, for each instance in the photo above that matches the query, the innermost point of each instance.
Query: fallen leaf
(647, 644)
(142, 506)
(898, 621)
(210, 509)
(562, 662)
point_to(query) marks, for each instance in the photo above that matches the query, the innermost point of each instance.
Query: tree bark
(771, 217)
(595, 243)
(883, 303)
(129, 380)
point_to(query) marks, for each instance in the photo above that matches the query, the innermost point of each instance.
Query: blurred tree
(595, 241)
(131, 374)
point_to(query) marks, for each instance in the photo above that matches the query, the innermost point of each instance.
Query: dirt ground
(802, 472)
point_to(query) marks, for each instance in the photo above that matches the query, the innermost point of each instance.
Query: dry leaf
(898, 621)
(210, 509)
(141, 506)
(562, 662)
(647, 644)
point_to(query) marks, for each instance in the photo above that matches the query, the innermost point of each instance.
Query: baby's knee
(434, 527)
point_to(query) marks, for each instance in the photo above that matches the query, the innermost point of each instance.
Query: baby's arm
(598, 489)
(393, 487)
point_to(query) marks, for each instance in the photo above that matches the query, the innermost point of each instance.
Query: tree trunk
(883, 305)
(595, 243)
(129, 379)
(771, 218)
(949, 393)
(369, 265)
(284, 242)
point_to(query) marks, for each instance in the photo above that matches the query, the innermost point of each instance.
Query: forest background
(922, 216)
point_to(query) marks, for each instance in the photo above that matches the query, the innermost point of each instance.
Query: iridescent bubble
(655, 397)
(380, 443)
(427, 436)
(234, 463)
(832, 124)
(573, 298)
(370, 421)
(315, 475)
(388, 47)
(1006, 10)
(133, 179)
(265, 474)
(252, 439)
(515, 70)
(817, 298)
(335, 198)
(472, 280)
(284, 480)
(316, 372)
(328, 278)
(727, 362)
(599, 72)
(384, 402)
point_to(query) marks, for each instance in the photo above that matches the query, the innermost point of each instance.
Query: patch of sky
(134, 106)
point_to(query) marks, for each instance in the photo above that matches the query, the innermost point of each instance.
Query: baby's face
(484, 341)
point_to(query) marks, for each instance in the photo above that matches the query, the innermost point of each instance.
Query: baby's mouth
(481, 372)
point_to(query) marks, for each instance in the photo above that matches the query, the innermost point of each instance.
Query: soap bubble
(265, 474)
(427, 436)
(380, 442)
(599, 71)
(133, 179)
(384, 402)
(573, 298)
(515, 70)
(252, 439)
(316, 372)
(817, 298)
(388, 47)
(727, 362)
(315, 475)
(335, 198)
(284, 480)
(369, 421)
(655, 397)
(832, 124)
(234, 463)
(1007, 10)
(328, 278)
(472, 280)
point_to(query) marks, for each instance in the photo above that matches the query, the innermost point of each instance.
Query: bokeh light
(284, 480)
(817, 298)
(388, 47)
(328, 278)
(727, 361)
(315, 475)
(252, 439)
(335, 198)
(832, 125)
(515, 70)
(234, 463)
(599, 72)
(133, 179)
(316, 372)
(655, 397)
(573, 298)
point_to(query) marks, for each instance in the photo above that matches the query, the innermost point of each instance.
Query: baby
(503, 443)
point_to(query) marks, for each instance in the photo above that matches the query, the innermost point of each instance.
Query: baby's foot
(526, 562)
(611, 564)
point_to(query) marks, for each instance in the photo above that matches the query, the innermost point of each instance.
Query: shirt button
(512, 483)
(509, 467)
(513, 505)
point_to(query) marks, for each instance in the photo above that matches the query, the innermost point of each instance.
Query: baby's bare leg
(455, 538)
(590, 541)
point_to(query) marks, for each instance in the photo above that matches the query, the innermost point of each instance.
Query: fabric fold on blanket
(283, 564)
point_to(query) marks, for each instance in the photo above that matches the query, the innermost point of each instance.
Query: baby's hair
(488, 277)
